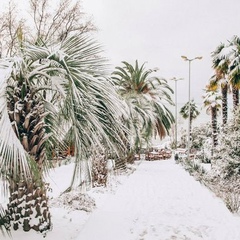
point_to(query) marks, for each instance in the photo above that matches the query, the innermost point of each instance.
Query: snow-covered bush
(225, 174)
(200, 135)
(194, 169)
(231, 194)
(183, 140)
(228, 190)
(75, 201)
(206, 150)
(226, 159)
(200, 141)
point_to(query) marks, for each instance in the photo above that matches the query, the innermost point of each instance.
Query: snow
(158, 201)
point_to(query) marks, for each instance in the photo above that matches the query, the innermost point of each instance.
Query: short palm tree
(49, 94)
(212, 102)
(146, 98)
(184, 112)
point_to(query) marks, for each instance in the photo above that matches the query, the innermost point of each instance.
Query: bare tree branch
(44, 24)
(10, 25)
(64, 20)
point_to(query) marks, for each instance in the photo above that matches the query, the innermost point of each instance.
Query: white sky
(160, 31)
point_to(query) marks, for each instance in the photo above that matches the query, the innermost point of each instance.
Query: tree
(220, 64)
(66, 19)
(145, 97)
(212, 102)
(10, 25)
(234, 70)
(43, 24)
(184, 112)
(49, 94)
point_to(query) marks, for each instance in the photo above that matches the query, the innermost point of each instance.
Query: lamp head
(184, 58)
(176, 79)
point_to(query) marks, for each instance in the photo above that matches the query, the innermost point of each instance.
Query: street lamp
(176, 79)
(189, 105)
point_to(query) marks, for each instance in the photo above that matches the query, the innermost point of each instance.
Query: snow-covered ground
(158, 201)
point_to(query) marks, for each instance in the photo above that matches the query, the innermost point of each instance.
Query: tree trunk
(190, 129)
(99, 171)
(28, 206)
(224, 104)
(28, 203)
(235, 93)
(214, 126)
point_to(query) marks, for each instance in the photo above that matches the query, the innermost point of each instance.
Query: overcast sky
(158, 32)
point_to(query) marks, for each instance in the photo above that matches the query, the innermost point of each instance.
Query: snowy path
(161, 201)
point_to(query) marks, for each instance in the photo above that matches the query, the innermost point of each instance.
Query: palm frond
(13, 155)
(145, 97)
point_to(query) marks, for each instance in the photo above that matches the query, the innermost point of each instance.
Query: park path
(161, 201)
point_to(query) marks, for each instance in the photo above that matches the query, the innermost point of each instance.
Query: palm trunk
(99, 171)
(28, 203)
(224, 104)
(190, 129)
(130, 157)
(235, 93)
(214, 126)
(28, 207)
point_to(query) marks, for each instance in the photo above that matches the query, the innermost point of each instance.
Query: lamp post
(189, 104)
(175, 80)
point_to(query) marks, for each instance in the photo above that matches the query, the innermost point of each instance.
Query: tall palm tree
(234, 70)
(184, 112)
(49, 94)
(220, 64)
(212, 102)
(146, 97)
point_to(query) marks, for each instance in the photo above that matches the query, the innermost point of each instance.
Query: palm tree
(184, 112)
(234, 70)
(220, 60)
(145, 97)
(49, 94)
(212, 102)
